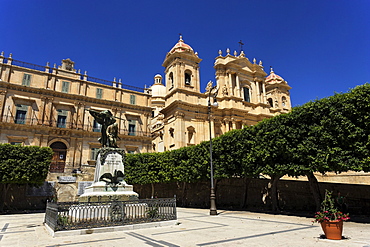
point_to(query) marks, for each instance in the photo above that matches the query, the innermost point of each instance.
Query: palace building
(47, 106)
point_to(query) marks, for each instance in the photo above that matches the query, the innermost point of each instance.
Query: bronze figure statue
(106, 120)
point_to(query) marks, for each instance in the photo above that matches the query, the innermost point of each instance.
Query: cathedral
(48, 106)
(245, 96)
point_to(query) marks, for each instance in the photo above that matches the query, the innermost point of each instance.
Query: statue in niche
(224, 91)
(209, 86)
(105, 119)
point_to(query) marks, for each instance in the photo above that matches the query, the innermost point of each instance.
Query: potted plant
(331, 218)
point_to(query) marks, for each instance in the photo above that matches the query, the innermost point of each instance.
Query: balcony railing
(89, 78)
(72, 215)
(67, 125)
(28, 65)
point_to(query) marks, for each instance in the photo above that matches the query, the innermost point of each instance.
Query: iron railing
(71, 215)
(50, 70)
(68, 125)
(28, 65)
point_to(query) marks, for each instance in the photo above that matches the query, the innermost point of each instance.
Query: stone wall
(230, 194)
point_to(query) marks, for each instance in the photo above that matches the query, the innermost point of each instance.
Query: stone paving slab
(195, 228)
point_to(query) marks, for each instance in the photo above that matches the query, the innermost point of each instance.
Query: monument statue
(112, 133)
(109, 166)
(105, 119)
(109, 183)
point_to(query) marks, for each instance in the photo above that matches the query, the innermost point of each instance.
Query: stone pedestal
(103, 192)
(109, 184)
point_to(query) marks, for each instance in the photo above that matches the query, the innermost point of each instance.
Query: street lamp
(212, 93)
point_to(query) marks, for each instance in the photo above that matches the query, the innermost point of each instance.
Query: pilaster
(2, 103)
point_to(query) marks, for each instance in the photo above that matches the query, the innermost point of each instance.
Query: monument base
(103, 192)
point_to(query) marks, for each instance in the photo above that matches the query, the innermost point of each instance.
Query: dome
(274, 77)
(181, 47)
(158, 89)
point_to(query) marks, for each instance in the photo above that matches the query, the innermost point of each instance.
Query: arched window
(270, 102)
(283, 101)
(170, 78)
(187, 78)
(246, 92)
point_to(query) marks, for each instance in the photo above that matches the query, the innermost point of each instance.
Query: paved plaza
(195, 228)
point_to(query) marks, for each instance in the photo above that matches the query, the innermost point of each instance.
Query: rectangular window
(21, 114)
(26, 80)
(246, 94)
(99, 93)
(96, 127)
(94, 153)
(133, 99)
(62, 118)
(131, 127)
(65, 86)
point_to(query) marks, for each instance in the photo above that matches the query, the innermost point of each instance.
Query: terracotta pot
(332, 229)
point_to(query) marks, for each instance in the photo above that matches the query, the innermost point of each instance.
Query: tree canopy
(24, 164)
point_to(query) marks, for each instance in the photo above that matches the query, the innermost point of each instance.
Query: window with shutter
(65, 86)
(26, 80)
(133, 99)
(99, 93)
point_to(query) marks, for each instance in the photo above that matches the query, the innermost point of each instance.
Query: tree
(22, 165)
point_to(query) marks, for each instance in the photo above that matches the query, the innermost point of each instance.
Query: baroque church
(47, 106)
(245, 96)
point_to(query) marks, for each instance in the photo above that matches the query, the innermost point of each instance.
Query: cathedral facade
(185, 116)
(47, 105)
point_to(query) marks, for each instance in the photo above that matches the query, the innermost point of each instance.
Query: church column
(180, 137)
(233, 121)
(2, 103)
(264, 93)
(182, 75)
(258, 92)
(237, 86)
(230, 79)
(196, 82)
(227, 124)
(177, 75)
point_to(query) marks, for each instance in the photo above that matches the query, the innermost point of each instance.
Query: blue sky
(319, 47)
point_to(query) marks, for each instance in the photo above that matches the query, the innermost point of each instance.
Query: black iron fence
(69, 125)
(72, 215)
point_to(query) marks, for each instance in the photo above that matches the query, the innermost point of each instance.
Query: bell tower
(182, 68)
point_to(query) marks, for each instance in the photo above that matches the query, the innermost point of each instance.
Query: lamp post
(212, 93)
